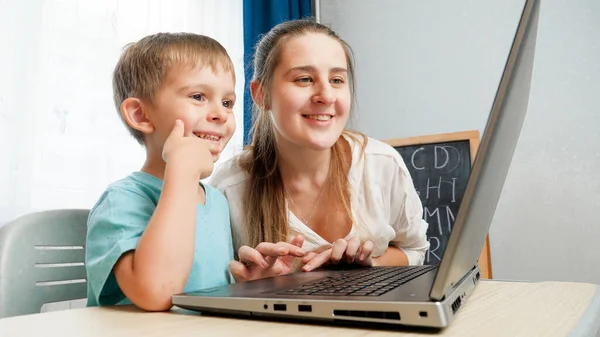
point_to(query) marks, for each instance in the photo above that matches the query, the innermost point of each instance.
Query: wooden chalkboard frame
(473, 136)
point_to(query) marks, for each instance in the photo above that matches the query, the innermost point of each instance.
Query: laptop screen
(493, 158)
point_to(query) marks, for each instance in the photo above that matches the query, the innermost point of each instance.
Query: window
(61, 139)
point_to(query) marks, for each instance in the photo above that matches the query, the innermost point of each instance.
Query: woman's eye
(228, 104)
(198, 97)
(337, 80)
(304, 80)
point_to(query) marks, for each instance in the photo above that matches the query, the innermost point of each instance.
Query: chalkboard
(440, 166)
(440, 173)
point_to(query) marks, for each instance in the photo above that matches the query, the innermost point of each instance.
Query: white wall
(424, 67)
(432, 67)
(547, 224)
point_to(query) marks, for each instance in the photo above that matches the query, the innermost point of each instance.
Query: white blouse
(384, 202)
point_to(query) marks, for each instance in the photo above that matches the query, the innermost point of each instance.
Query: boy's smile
(208, 136)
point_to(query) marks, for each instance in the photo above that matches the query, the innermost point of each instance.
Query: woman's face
(310, 95)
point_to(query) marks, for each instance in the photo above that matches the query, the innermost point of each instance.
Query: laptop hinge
(457, 284)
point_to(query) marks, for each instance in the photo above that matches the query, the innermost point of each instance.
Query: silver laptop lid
(493, 158)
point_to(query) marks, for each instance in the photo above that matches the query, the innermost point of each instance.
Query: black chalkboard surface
(440, 166)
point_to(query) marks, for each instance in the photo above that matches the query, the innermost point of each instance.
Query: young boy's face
(202, 98)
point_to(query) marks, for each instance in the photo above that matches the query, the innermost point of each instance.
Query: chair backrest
(42, 259)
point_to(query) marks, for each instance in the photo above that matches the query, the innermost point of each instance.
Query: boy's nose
(218, 115)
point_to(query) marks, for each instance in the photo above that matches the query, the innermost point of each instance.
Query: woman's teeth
(319, 117)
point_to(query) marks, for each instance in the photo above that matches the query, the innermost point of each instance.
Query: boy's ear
(257, 94)
(133, 112)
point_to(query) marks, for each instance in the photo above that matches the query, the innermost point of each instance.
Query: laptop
(425, 296)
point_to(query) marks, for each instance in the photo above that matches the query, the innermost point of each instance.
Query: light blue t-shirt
(119, 218)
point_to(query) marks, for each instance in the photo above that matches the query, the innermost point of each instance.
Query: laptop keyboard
(367, 282)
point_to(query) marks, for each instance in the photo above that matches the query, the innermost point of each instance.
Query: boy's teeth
(319, 117)
(208, 137)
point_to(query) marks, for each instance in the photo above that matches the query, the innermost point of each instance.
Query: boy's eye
(228, 104)
(198, 97)
(337, 80)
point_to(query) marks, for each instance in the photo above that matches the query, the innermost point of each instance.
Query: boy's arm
(161, 264)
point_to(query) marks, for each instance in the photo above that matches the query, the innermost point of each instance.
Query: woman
(333, 194)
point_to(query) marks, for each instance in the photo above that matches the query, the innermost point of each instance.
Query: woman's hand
(350, 251)
(266, 260)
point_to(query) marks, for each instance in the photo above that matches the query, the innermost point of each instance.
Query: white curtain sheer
(61, 140)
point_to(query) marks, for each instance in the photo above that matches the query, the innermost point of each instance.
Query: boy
(159, 231)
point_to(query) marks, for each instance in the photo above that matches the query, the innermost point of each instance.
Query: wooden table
(496, 308)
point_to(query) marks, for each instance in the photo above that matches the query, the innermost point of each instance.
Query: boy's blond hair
(143, 65)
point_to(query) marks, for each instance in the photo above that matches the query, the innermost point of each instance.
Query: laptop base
(432, 314)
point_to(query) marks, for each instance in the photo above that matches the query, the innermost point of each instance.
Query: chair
(42, 260)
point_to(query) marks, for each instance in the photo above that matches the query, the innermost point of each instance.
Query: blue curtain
(259, 17)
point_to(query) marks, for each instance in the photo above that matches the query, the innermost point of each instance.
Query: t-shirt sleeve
(115, 226)
(406, 215)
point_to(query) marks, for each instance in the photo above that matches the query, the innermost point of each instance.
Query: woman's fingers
(366, 250)
(318, 260)
(338, 250)
(280, 249)
(239, 271)
(298, 240)
(266, 255)
(261, 261)
(249, 255)
(352, 250)
(308, 257)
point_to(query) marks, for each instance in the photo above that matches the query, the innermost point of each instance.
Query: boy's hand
(189, 151)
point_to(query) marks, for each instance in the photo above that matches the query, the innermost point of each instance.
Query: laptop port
(305, 308)
(456, 304)
(423, 314)
(279, 307)
(393, 315)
